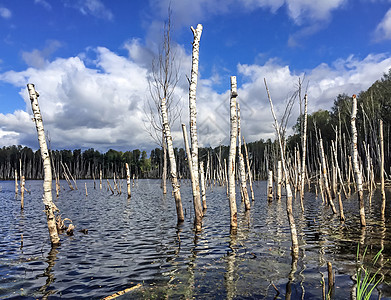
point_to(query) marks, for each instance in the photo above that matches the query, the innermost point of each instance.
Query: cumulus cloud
(38, 58)
(300, 11)
(101, 104)
(383, 30)
(5, 13)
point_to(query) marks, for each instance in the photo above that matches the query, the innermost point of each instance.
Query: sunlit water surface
(137, 241)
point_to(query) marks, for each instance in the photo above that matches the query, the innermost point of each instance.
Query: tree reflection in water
(51, 261)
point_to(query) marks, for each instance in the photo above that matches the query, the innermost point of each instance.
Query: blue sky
(91, 60)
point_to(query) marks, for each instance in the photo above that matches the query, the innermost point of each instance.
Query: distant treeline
(373, 105)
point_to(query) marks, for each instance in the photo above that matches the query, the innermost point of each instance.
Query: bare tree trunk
(383, 194)
(128, 179)
(279, 179)
(325, 177)
(304, 150)
(16, 183)
(47, 184)
(109, 186)
(289, 209)
(100, 179)
(164, 173)
(232, 155)
(242, 171)
(357, 171)
(171, 155)
(202, 179)
(196, 203)
(193, 110)
(22, 193)
(250, 179)
(270, 185)
(342, 216)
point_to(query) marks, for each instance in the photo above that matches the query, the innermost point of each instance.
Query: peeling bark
(356, 168)
(232, 155)
(171, 155)
(47, 184)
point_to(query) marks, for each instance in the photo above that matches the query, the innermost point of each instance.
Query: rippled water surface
(137, 241)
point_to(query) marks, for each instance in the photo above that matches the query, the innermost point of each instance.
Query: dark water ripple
(138, 241)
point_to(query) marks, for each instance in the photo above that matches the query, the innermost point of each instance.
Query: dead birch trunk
(47, 184)
(242, 171)
(193, 111)
(250, 179)
(289, 209)
(226, 176)
(109, 186)
(16, 183)
(196, 203)
(270, 185)
(279, 179)
(85, 187)
(342, 216)
(325, 177)
(334, 149)
(22, 192)
(100, 179)
(171, 155)
(202, 179)
(304, 150)
(383, 194)
(232, 155)
(128, 179)
(73, 179)
(164, 173)
(356, 168)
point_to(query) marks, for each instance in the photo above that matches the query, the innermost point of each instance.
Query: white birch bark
(100, 179)
(47, 184)
(202, 179)
(232, 155)
(196, 204)
(16, 183)
(250, 177)
(22, 192)
(383, 194)
(289, 209)
(325, 177)
(164, 172)
(279, 179)
(128, 180)
(270, 185)
(193, 110)
(171, 155)
(304, 148)
(242, 170)
(356, 168)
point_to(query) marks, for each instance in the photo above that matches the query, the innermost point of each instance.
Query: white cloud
(38, 58)
(94, 8)
(102, 105)
(383, 30)
(302, 10)
(5, 13)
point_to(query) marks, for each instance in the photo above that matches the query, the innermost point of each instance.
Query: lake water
(137, 241)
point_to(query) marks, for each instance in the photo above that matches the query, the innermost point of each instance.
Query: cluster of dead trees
(343, 168)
